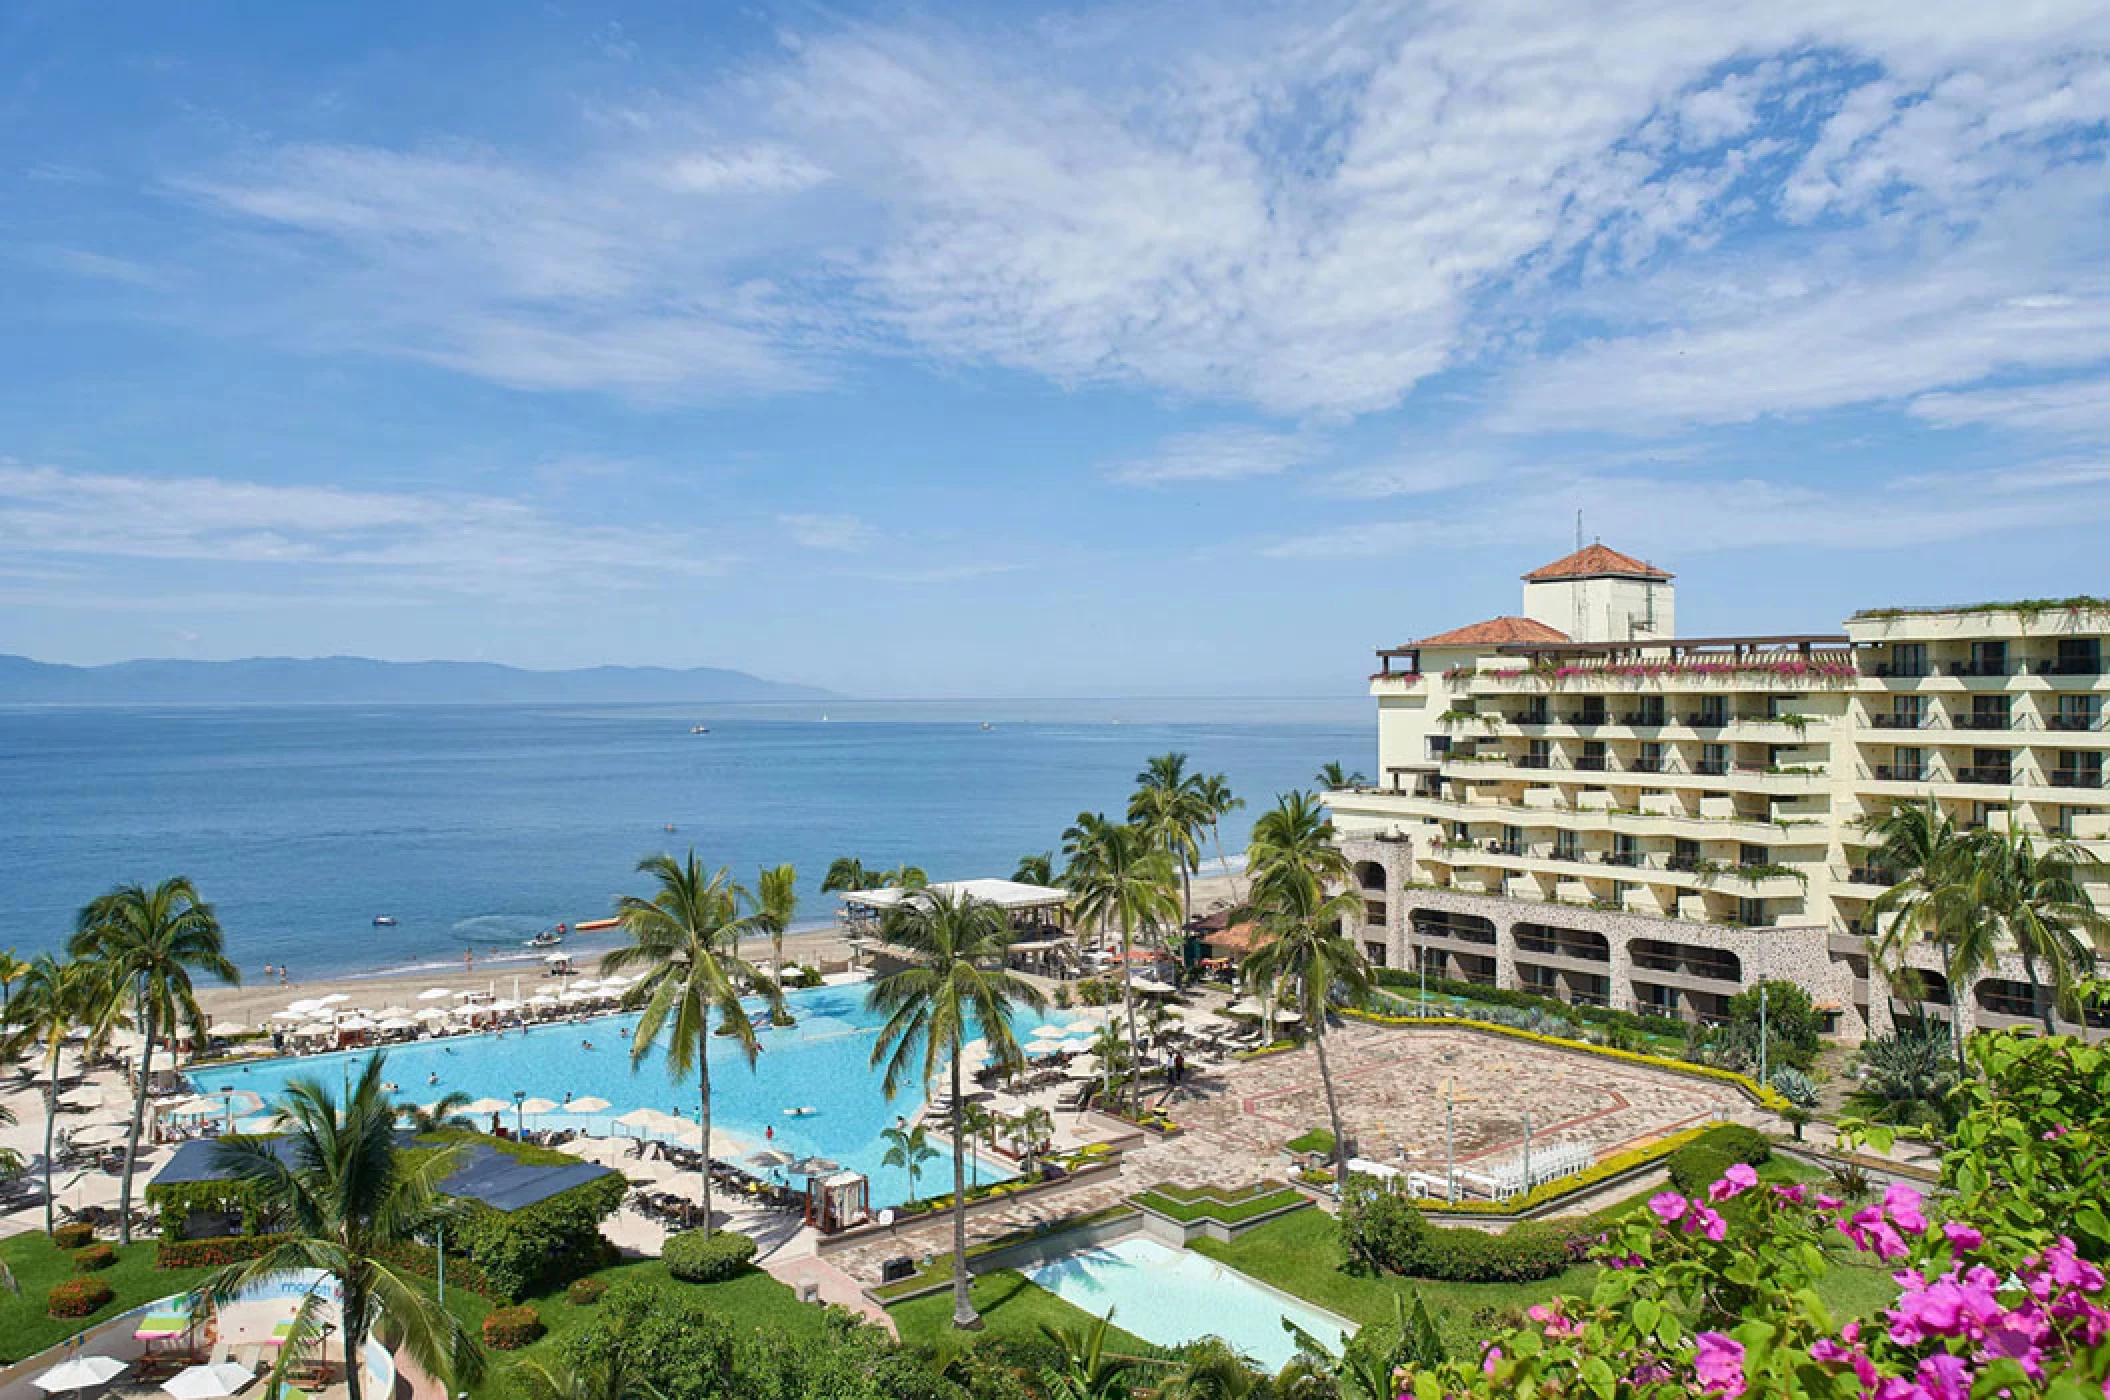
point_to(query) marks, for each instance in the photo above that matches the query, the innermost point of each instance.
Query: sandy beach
(257, 997)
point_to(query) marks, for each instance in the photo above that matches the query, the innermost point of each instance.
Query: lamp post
(1450, 1143)
(519, 1097)
(1763, 1077)
(1527, 1151)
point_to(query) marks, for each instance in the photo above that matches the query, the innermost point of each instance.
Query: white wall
(1603, 609)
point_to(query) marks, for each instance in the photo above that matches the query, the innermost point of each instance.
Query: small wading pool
(1170, 1296)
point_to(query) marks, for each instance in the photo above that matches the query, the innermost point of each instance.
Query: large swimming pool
(823, 1064)
(1172, 1296)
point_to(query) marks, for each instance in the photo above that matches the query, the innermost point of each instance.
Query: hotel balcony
(2076, 724)
(1979, 721)
(1990, 775)
(2075, 778)
(1902, 773)
(1901, 721)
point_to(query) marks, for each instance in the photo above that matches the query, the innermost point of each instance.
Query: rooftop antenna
(1578, 528)
(1575, 624)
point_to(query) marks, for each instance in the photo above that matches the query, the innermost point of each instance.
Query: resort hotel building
(1579, 802)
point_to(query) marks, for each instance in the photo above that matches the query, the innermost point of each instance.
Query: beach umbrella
(1250, 1006)
(641, 1118)
(543, 999)
(487, 1106)
(814, 1166)
(1082, 1028)
(537, 1106)
(504, 1004)
(208, 1382)
(305, 1004)
(391, 1013)
(1044, 1047)
(198, 1106)
(227, 1028)
(398, 1023)
(589, 1104)
(87, 1096)
(289, 1014)
(1080, 1070)
(436, 994)
(1286, 1016)
(574, 994)
(81, 1372)
(432, 1013)
(333, 999)
(769, 1157)
(355, 1023)
(1047, 1031)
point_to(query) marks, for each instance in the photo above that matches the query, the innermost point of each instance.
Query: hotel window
(1747, 854)
(1684, 854)
(1907, 659)
(1651, 758)
(1535, 712)
(1988, 659)
(1714, 759)
(1988, 712)
(1713, 711)
(1625, 850)
(2079, 656)
(1650, 710)
(1374, 952)
(2078, 769)
(1567, 845)
(1593, 757)
(1592, 710)
(1751, 912)
(2076, 712)
(1907, 766)
(1512, 840)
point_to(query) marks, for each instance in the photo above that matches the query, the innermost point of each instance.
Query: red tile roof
(1596, 561)
(1496, 631)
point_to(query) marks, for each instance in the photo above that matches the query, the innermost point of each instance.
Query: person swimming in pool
(432, 1078)
(586, 1045)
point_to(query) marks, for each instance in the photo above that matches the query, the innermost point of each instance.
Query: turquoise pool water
(822, 1063)
(1170, 1296)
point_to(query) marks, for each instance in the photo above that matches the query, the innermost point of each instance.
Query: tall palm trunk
(139, 1118)
(2037, 1000)
(51, 1123)
(1333, 1106)
(1959, 997)
(354, 1340)
(1186, 894)
(963, 1313)
(703, 1113)
(1128, 1001)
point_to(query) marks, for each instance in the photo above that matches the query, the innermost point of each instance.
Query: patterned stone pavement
(1391, 1084)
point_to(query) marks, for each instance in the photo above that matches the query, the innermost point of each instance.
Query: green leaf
(1646, 1313)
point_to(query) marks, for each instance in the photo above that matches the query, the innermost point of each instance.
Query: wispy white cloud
(2073, 406)
(460, 543)
(839, 533)
(1216, 454)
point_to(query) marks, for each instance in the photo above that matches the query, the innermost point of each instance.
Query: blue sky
(1102, 349)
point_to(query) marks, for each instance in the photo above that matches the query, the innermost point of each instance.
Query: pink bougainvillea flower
(1793, 1193)
(1902, 1204)
(2053, 1134)
(1706, 1221)
(1872, 1234)
(1735, 1182)
(1668, 1206)
(1718, 1363)
(1964, 1237)
(1945, 1377)
(1491, 1360)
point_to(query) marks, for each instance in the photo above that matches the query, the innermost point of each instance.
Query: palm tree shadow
(996, 1291)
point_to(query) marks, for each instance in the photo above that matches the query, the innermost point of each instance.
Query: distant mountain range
(280, 680)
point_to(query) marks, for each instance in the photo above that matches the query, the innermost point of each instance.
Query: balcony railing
(2074, 724)
(1626, 858)
(1645, 765)
(1890, 671)
(1592, 763)
(1903, 773)
(1978, 668)
(1900, 719)
(1712, 767)
(2076, 778)
(1644, 719)
(1706, 719)
(1870, 875)
(1976, 720)
(1999, 775)
(2071, 666)
(1534, 760)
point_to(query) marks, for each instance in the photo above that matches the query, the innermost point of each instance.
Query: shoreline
(253, 1002)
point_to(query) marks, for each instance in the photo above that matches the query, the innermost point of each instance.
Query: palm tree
(1305, 959)
(346, 1198)
(776, 901)
(847, 873)
(442, 1115)
(1168, 804)
(979, 1123)
(1930, 861)
(1121, 878)
(1213, 1369)
(686, 937)
(150, 941)
(1088, 1371)
(1037, 868)
(1035, 1126)
(1332, 777)
(1294, 839)
(904, 877)
(2037, 902)
(56, 997)
(604, 1376)
(1221, 802)
(11, 970)
(954, 988)
(1906, 1077)
(909, 1147)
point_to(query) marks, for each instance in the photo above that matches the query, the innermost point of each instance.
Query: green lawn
(1229, 1206)
(25, 1330)
(753, 1299)
(1011, 1305)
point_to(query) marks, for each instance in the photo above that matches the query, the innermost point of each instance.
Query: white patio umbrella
(391, 1013)
(487, 1106)
(554, 958)
(538, 1106)
(1250, 1006)
(397, 1023)
(227, 1029)
(198, 1106)
(208, 1382)
(81, 1372)
(1047, 1030)
(1152, 987)
(770, 1157)
(356, 1023)
(503, 1004)
(1287, 1016)
(1082, 1028)
(589, 1104)
(642, 1118)
(306, 1004)
(436, 994)
(333, 999)
(1080, 1070)
(468, 994)
(87, 1096)
(432, 1013)
(289, 1014)
(574, 994)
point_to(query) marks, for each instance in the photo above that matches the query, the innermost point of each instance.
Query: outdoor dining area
(185, 1347)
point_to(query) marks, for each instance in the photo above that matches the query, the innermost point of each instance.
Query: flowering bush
(93, 1257)
(77, 1297)
(2000, 1292)
(510, 1329)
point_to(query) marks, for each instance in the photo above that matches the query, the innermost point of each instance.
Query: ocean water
(474, 827)
(822, 1064)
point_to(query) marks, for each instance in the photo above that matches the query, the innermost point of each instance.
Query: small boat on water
(384, 921)
(987, 726)
(699, 729)
(548, 938)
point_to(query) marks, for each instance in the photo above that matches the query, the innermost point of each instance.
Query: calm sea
(474, 827)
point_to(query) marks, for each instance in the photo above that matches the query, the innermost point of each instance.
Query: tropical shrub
(1694, 1168)
(542, 1245)
(1796, 1087)
(695, 1257)
(1383, 1231)
(1906, 1079)
(73, 1236)
(93, 1258)
(510, 1329)
(78, 1297)
(584, 1292)
(1742, 1144)
(213, 1251)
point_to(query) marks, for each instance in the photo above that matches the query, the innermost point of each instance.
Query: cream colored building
(1611, 814)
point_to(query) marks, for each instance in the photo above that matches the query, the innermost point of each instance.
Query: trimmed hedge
(213, 1251)
(1664, 1027)
(585, 1292)
(1746, 1145)
(73, 1236)
(695, 1257)
(1386, 1232)
(78, 1297)
(538, 1247)
(1693, 1169)
(510, 1329)
(93, 1258)
(1765, 1094)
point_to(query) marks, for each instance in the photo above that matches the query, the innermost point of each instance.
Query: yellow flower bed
(1765, 1095)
